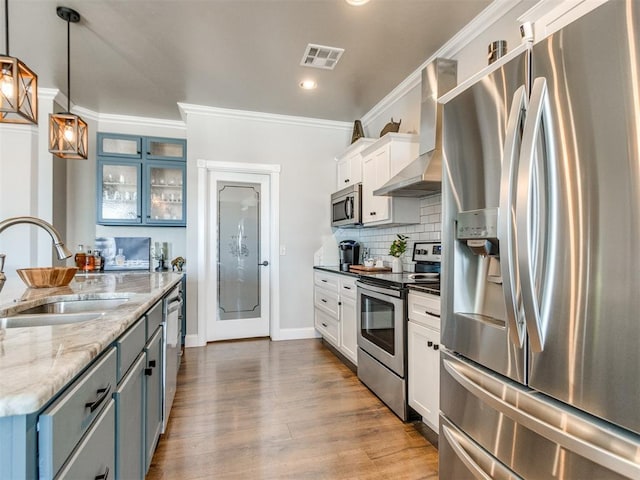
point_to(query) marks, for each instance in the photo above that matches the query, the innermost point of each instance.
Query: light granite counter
(37, 362)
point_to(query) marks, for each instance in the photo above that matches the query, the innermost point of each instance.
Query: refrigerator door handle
(537, 415)
(538, 108)
(461, 445)
(506, 218)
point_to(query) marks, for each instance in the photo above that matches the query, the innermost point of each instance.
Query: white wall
(305, 151)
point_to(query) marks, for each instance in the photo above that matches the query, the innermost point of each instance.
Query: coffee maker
(349, 254)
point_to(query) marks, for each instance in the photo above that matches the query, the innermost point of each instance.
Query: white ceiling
(141, 57)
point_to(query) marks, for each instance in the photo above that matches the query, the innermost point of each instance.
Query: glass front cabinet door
(141, 180)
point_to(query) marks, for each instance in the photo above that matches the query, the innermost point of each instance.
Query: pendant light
(18, 85)
(68, 133)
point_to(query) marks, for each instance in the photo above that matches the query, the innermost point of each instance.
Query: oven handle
(378, 289)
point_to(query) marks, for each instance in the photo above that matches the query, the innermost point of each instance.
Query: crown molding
(187, 109)
(128, 119)
(453, 46)
(48, 93)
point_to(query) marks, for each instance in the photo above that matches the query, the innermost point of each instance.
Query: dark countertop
(336, 269)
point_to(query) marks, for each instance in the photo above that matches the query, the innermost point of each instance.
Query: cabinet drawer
(129, 347)
(348, 287)
(327, 281)
(327, 301)
(63, 424)
(328, 327)
(154, 319)
(424, 309)
(95, 456)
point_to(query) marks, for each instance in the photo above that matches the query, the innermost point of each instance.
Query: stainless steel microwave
(346, 207)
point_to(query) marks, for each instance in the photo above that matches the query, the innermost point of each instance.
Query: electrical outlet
(283, 250)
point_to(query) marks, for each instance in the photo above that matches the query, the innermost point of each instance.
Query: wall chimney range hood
(423, 176)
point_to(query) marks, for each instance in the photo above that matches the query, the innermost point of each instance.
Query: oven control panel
(427, 252)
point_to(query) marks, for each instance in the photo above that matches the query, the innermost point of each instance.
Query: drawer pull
(429, 343)
(148, 372)
(347, 288)
(436, 347)
(433, 314)
(102, 394)
(324, 280)
(104, 476)
(325, 325)
(152, 363)
(323, 300)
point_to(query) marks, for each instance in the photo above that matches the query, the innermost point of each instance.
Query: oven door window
(377, 323)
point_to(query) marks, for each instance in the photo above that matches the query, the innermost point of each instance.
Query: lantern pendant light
(18, 85)
(68, 133)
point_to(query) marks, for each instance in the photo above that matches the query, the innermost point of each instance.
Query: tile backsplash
(378, 240)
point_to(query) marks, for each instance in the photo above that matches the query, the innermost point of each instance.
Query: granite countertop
(37, 362)
(335, 269)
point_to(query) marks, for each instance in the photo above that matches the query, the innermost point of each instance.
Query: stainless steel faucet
(62, 251)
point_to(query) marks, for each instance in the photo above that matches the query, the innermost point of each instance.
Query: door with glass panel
(241, 216)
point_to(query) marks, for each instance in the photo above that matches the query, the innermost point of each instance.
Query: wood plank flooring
(257, 409)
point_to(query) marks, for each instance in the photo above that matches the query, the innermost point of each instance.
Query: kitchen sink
(75, 306)
(40, 320)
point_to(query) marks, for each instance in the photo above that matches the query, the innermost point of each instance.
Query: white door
(239, 246)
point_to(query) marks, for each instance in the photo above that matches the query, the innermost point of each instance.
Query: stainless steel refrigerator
(540, 376)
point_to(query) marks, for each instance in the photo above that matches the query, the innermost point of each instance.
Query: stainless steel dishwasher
(172, 314)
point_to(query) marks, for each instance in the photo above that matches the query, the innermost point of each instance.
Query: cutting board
(362, 268)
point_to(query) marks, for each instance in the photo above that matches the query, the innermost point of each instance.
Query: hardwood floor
(258, 409)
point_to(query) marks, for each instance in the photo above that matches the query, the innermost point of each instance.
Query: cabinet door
(375, 172)
(94, 457)
(165, 148)
(154, 393)
(349, 330)
(165, 193)
(424, 372)
(119, 198)
(116, 145)
(343, 173)
(130, 422)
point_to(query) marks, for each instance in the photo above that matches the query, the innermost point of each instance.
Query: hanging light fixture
(68, 133)
(18, 85)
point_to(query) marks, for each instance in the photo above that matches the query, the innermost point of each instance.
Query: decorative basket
(47, 277)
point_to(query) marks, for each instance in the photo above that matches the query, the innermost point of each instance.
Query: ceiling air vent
(319, 56)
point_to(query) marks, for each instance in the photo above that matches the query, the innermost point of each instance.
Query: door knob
(264, 264)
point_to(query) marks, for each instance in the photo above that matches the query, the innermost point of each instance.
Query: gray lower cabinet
(154, 394)
(129, 398)
(63, 424)
(94, 457)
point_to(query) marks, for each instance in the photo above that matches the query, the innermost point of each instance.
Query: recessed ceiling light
(357, 3)
(308, 84)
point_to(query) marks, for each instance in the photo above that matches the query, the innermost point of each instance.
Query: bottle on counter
(89, 262)
(81, 257)
(98, 261)
(120, 258)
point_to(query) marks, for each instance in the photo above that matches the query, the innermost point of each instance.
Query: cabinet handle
(324, 325)
(102, 394)
(152, 363)
(429, 344)
(346, 180)
(148, 372)
(347, 288)
(339, 303)
(436, 347)
(104, 476)
(323, 300)
(324, 280)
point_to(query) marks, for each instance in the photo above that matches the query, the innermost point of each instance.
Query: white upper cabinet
(381, 161)
(349, 164)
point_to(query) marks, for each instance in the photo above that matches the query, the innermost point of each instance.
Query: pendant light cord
(68, 65)
(6, 25)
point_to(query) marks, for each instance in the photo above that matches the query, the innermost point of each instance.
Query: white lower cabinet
(335, 311)
(424, 372)
(424, 356)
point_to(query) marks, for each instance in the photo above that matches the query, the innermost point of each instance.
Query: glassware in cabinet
(119, 200)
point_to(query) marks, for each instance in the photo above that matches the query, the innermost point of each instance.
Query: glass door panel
(119, 146)
(166, 194)
(120, 193)
(238, 250)
(168, 149)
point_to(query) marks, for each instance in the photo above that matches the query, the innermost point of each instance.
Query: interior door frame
(207, 267)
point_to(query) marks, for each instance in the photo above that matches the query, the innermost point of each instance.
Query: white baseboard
(283, 334)
(295, 334)
(193, 341)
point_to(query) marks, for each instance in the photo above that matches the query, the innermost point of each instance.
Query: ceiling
(142, 57)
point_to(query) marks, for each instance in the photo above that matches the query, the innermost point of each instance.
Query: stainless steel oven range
(382, 332)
